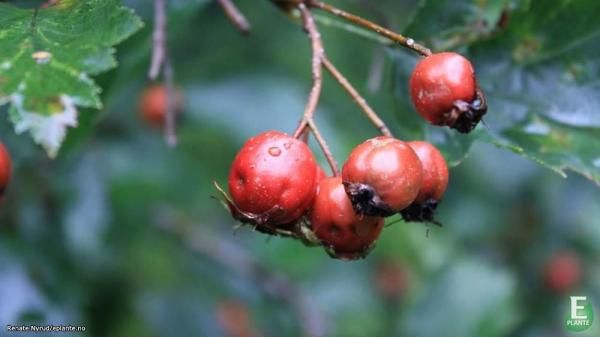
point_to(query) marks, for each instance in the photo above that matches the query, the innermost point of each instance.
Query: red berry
(153, 105)
(321, 174)
(435, 181)
(346, 234)
(272, 179)
(391, 279)
(562, 272)
(444, 91)
(5, 169)
(235, 319)
(382, 176)
(435, 171)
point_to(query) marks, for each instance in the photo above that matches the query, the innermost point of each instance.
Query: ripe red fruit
(235, 319)
(272, 180)
(435, 182)
(562, 272)
(320, 174)
(343, 232)
(382, 176)
(5, 169)
(391, 280)
(153, 105)
(444, 91)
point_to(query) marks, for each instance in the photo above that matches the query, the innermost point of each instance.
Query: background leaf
(45, 73)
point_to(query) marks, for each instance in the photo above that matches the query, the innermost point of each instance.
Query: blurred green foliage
(83, 240)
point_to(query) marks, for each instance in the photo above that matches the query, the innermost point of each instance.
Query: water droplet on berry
(274, 151)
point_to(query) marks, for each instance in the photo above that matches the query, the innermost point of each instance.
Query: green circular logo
(581, 315)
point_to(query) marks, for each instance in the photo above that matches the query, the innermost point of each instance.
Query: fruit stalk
(359, 21)
(362, 103)
(235, 16)
(318, 54)
(159, 37)
(317, 70)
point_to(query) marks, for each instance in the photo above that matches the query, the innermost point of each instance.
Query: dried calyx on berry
(382, 176)
(444, 90)
(435, 182)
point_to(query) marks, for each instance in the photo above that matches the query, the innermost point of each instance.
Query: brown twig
(369, 112)
(159, 37)
(170, 129)
(161, 61)
(234, 15)
(359, 21)
(317, 69)
(238, 260)
(318, 54)
(324, 147)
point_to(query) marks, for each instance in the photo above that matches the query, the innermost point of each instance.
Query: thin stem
(159, 37)
(170, 129)
(317, 69)
(324, 147)
(357, 20)
(234, 15)
(369, 112)
(236, 259)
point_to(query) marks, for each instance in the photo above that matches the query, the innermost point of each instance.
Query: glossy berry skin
(320, 174)
(382, 176)
(272, 180)
(435, 171)
(444, 91)
(435, 182)
(153, 105)
(563, 272)
(343, 232)
(5, 169)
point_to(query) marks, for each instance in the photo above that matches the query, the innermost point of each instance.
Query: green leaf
(557, 146)
(47, 59)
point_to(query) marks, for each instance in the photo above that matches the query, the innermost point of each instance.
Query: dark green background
(81, 239)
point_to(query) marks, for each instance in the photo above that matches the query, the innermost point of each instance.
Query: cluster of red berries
(276, 184)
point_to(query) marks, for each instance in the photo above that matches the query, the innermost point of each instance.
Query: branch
(159, 37)
(238, 260)
(170, 129)
(317, 71)
(369, 112)
(234, 15)
(324, 147)
(357, 20)
(161, 61)
(318, 54)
